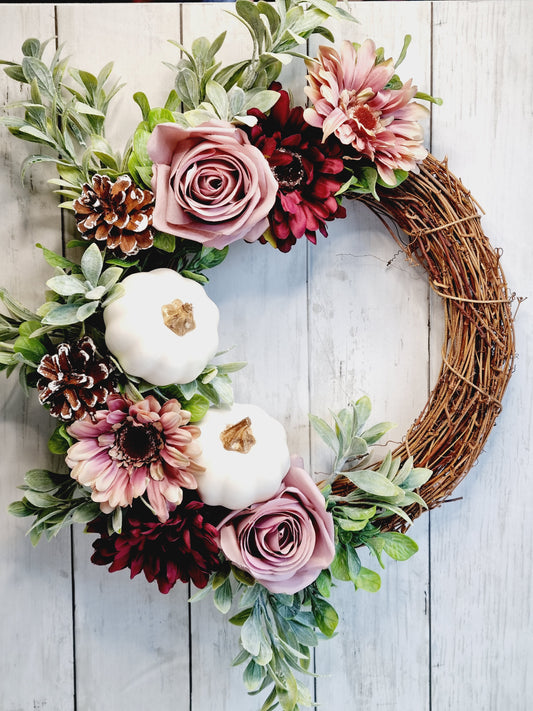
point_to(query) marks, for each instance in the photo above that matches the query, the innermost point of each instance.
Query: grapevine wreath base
(442, 222)
(179, 482)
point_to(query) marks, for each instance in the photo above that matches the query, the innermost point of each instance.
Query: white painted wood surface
(450, 629)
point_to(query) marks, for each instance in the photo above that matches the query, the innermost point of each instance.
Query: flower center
(355, 107)
(239, 437)
(136, 445)
(290, 174)
(178, 317)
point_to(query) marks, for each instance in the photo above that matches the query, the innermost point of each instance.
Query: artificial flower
(284, 543)
(211, 185)
(117, 213)
(307, 171)
(347, 90)
(136, 448)
(185, 547)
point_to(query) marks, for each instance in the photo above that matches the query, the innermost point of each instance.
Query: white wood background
(451, 629)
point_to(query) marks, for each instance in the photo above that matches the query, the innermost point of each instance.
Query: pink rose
(284, 543)
(211, 185)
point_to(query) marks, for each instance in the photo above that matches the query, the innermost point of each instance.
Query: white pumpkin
(164, 328)
(245, 455)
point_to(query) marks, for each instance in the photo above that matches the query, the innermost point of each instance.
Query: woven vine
(442, 223)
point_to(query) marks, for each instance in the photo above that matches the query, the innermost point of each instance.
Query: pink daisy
(133, 449)
(349, 98)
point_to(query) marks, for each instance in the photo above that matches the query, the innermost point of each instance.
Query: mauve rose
(211, 185)
(285, 542)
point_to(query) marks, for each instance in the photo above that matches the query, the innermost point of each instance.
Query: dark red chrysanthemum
(183, 548)
(307, 170)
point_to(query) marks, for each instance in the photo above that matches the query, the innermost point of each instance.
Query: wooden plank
(481, 563)
(261, 294)
(368, 335)
(131, 641)
(36, 664)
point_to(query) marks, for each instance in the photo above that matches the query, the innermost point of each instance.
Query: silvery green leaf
(325, 432)
(189, 389)
(368, 580)
(249, 596)
(398, 546)
(109, 277)
(236, 99)
(218, 98)
(91, 264)
(357, 448)
(87, 110)
(86, 310)
(63, 315)
(187, 88)
(209, 374)
(223, 388)
(40, 480)
(34, 68)
(357, 513)
(411, 497)
(223, 597)
(416, 478)
(393, 468)
(385, 464)
(403, 473)
(197, 116)
(15, 308)
(265, 653)
(331, 10)
(86, 512)
(251, 634)
(232, 367)
(253, 676)
(116, 520)
(116, 292)
(363, 409)
(374, 483)
(348, 525)
(395, 510)
(96, 293)
(262, 100)
(284, 57)
(40, 499)
(375, 433)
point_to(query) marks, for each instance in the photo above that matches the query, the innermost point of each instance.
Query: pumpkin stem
(238, 437)
(178, 317)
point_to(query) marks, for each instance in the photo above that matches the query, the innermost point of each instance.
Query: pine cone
(118, 213)
(74, 380)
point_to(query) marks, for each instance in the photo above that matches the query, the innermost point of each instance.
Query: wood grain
(451, 628)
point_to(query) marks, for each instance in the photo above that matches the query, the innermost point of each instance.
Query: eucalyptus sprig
(379, 491)
(278, 32)
(65, 113)
(277, 634)
(55, 500)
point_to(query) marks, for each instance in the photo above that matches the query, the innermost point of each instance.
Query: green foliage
(55, 501)
(65, 113)
(379, 491)
(278, 32)
(277, 632)
(81, 294)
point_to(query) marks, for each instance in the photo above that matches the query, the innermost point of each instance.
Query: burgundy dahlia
(185, 547)
(307, 170)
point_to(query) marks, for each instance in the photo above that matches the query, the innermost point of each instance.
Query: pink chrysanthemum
(133, 449)
(349, 98)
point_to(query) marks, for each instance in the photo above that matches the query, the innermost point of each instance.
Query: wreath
(177, 480)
